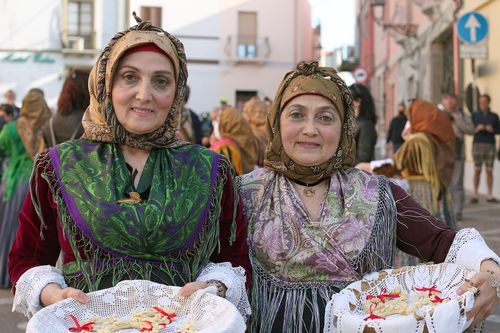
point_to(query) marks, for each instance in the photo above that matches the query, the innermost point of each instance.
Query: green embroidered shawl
(167, 237)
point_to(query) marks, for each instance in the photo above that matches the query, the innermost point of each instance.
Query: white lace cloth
(208, 313)
(234, 279)
(30, 285)
(344, 312)
(470, 250)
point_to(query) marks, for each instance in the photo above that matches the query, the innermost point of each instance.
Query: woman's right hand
(53, 293)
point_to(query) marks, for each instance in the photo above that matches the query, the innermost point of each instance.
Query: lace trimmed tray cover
(210, 313)
(344, 312)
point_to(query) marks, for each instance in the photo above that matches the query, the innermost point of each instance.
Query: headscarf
(255, 112)
(33, 115)
(100, 122)
(308, 78)
(426, 117)
(232, 125)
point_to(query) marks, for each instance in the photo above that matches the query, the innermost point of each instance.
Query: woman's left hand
(192, 287)
(486, 302)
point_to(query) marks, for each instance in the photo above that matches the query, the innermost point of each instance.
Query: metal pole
(474, 87)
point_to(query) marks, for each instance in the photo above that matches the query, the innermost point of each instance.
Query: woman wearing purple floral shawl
(316, 224)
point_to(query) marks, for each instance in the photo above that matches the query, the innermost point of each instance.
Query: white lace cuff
(30, 285)
(469, 249)
(234, 279)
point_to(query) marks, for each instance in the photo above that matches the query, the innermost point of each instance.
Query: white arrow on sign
(472, 24)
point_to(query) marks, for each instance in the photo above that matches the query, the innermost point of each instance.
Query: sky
(337, 19)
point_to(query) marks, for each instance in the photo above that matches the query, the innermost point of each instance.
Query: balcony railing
(245, 49)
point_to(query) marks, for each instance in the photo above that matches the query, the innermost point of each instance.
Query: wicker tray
(205, 311)
(344, 313)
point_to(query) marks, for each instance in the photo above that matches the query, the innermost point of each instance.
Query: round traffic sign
(360, 75)
(472, 27)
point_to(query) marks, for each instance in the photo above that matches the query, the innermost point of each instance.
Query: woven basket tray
(206, 311)
(344, 313)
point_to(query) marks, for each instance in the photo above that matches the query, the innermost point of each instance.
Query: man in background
(486, 125)
(396, 128)
(10, 98)
(462, 124)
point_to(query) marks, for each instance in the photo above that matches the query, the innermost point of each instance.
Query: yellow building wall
(488, 83)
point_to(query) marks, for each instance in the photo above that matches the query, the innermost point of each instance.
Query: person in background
(255, 112)
(268, 102)
(74, 98)
(128, 200)
(486, 124)
(6, 114)
(317, 224)
(10, 98)
(234, 139)
(462, 124)
(365, 134)
(20, 141)
(394, 135)
(190, 126)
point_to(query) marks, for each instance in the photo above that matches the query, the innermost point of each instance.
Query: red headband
(145, 47)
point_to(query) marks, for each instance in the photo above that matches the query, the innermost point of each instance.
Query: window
(247, 35)
(80, 24)
(152, 14)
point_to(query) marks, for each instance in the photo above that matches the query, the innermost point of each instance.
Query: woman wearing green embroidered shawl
(316, 224)
(128, 200)
(20, 140)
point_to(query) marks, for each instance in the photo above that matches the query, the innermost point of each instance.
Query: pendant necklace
(308, 191)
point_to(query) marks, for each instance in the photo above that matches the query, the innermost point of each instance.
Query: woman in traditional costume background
(316, 224)
(20, 140)
(255, 112)
(74, 98)
(235, 140)
(427, 159)
(129, 200)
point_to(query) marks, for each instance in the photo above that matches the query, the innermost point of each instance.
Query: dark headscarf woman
(129, 200)
(316, 224)
(20, 141)
(365, 133)
(73, 100)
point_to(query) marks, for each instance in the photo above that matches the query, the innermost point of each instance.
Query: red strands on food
(372, 316)
(430, 290)
(81, 328)
(147, 329)
(382, 296)
(170, 316)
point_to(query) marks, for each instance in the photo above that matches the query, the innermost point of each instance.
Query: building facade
(410, 49)
(235, 48)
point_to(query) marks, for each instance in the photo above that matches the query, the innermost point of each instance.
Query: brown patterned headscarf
(232, 125)
(33, 115)
(100, 122)
(308, 78)
(255, 112)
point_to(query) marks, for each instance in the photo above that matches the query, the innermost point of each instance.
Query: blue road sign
(472, 27)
